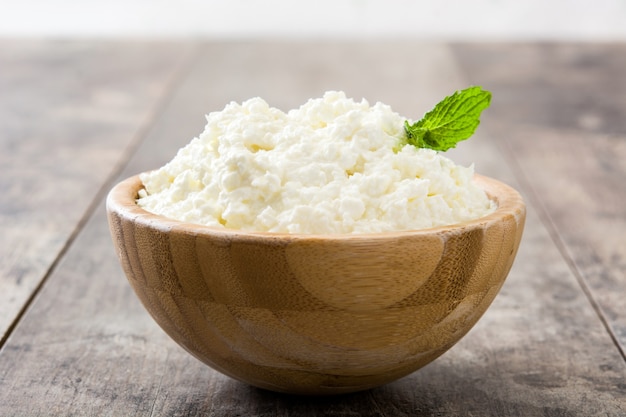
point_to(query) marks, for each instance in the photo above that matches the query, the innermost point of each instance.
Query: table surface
(76, 116)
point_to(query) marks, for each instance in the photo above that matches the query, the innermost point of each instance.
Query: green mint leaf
(452, 120)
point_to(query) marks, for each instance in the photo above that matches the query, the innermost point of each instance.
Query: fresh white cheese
(331, 166)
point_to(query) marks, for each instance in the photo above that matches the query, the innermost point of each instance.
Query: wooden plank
(566, 129)
(86, 347)
(586, 207)
(69, 112)
(576, 86)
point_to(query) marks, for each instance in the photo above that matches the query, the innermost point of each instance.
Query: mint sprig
(452, 120)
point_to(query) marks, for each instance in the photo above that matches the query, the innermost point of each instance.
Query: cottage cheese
(331, 166)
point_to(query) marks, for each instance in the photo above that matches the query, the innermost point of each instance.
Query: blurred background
(579, 20)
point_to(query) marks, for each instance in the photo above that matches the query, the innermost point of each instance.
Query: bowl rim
(121, 200)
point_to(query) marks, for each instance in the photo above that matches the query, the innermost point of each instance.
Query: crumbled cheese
(331, 166)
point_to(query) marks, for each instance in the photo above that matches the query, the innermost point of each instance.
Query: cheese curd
(332, 166)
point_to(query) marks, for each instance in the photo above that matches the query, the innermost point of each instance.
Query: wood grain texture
(87, 347)
(70, 111)
(315, 314)
(563, 123)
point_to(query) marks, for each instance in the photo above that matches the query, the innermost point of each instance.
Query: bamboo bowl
(315, 314)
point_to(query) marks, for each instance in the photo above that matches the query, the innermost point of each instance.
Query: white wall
(441, 19)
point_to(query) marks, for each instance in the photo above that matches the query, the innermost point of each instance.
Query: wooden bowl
(315, 314)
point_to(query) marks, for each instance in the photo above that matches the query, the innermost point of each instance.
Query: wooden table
(78, 116)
